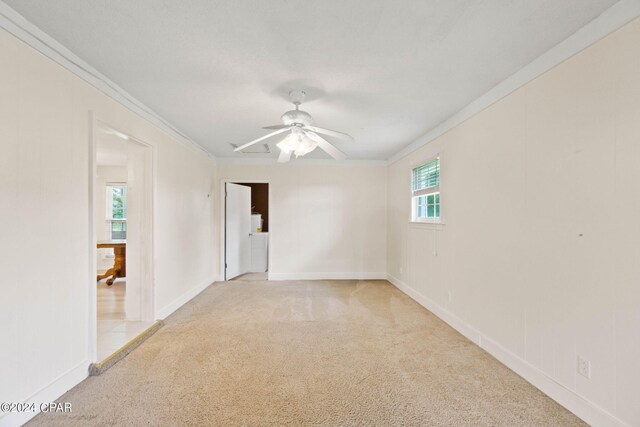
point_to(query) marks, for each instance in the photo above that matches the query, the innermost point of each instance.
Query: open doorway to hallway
(246, 231)
(123, 233)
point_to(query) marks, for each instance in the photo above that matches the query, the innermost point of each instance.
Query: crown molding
(307, 162)
(610, 20)
(607, 22)
(16, 25)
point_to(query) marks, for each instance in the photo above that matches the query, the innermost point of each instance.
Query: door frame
(223, 222)
(148, 303)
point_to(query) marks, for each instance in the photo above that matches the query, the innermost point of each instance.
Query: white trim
(610, 20)
(92, 311)
(586, 410)
(48, 394)
(15, 24)
(148, 288)
(429, 225)
(223, 221)
(301, 161)
(167, 310)
(147, 285)
(456, 323)
(327, 276)
(414, 207)
(423, 162)
(426, 191)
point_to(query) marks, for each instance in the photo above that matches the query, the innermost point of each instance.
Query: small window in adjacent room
(425, 187)
(116, 212)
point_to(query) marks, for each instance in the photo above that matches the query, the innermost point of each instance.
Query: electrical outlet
(584, 367)
(450, 296)
(401, 270)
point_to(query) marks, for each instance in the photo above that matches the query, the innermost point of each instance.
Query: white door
(237, 230)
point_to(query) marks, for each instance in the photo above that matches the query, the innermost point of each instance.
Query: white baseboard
(456, 323)
(183, 299)
(586, 410)
(77, 374)
(327, 276)
(48, 394)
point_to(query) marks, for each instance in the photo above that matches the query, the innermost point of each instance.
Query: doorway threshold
(252, 277)
(119, 354)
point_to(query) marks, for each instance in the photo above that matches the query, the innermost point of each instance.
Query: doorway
(246, 231)
(122, 283)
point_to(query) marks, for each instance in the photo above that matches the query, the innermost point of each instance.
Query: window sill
(433, 225)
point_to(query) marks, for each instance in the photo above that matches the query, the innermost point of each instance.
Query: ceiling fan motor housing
(297, 117)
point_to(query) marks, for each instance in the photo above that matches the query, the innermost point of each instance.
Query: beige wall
(325, 221)
(44, 250)
(541, 242)
(538, 254)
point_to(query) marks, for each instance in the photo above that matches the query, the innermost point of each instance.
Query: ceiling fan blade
(284, 156)
(327, 147)
(330, 132)
(255, 141)
(277, 127)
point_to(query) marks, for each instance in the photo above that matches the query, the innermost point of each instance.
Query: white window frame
(416, 209)
(415, 195)
(109, 208)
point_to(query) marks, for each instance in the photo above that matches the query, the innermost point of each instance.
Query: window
(116, 211)
(425, 187)
(428, 206)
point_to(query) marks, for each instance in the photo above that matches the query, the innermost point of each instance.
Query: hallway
(307, 353)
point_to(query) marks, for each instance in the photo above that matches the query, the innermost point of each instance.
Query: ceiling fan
(302, 138)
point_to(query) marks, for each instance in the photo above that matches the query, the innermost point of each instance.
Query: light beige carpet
(332, 353)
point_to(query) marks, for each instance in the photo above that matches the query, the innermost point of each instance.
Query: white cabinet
(259, 252)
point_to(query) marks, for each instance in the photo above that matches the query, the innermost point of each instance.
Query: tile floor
(113, 330)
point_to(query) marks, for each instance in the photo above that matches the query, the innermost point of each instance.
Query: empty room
(320, 213)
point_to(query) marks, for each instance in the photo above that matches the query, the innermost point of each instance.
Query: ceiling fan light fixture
(286, 145)
(298, 143)
(305, 146)
(301, 137)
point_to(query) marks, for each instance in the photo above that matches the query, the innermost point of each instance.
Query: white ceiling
(384, 71)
